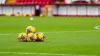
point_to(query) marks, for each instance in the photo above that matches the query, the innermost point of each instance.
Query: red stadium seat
(33, 2)
(41, 2)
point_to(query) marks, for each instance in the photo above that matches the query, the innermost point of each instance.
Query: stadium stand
(77, 8)
(2, 1)
(77, 1)
(40, 2)
(10, 1)
(50, 7)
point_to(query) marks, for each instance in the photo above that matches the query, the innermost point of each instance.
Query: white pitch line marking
(97, 27)
(74, 31)
(53, 32)
(2, 34)
(33, 53)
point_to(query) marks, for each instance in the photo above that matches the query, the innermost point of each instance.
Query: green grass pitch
(65, 36)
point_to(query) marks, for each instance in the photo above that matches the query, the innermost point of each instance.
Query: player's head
(30, 37)
(22, 37)
(39, 36)
(30, 29)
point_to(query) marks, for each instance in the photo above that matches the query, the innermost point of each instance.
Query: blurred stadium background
(50, 7)
(74, 34)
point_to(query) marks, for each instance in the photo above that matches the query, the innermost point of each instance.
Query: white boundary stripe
(97, 27)
(33, 53)
(75, 31)
(53, 32)
(7, 34)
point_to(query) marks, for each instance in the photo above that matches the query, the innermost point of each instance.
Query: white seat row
(70, 1)
(17, 10)
(2, 1)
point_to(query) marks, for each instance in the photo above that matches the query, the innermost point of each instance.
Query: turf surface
(64, 35)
